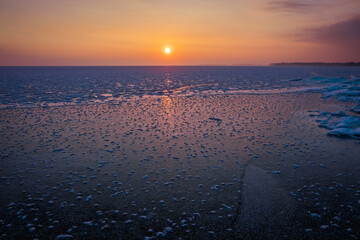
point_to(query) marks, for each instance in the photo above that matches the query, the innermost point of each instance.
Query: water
(38, 86)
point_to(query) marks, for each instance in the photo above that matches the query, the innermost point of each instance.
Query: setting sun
(167, 50)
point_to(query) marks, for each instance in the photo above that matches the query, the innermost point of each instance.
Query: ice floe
(343, 89)
(341, 125)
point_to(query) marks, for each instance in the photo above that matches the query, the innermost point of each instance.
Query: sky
(198, 32)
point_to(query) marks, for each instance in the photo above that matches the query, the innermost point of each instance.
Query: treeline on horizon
(315, 64)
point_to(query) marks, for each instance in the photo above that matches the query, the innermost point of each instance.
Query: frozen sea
(179, 152)
(41, 86)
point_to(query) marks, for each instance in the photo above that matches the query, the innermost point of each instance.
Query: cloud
(304, 6)
(345, 33)
(340, 40)
(291, 5)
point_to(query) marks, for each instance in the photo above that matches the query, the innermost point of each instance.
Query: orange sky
(199, 32)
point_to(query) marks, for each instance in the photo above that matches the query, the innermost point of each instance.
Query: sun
(167, 50)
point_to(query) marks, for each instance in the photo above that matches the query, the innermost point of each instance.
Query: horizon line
(146, 65)
(187, 65)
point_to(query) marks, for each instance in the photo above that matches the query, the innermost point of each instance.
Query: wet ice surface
(179, 152)
(177, 167)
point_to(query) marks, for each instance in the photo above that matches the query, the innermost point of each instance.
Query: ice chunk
(357, 106)
(346, 132)
(345, 126)
(63, 237)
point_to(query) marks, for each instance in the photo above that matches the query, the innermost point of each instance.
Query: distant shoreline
(315, 64)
